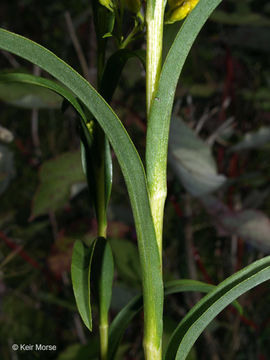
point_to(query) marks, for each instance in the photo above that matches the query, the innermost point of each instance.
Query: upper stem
(156, 181)
(154, 34)
(154, 28)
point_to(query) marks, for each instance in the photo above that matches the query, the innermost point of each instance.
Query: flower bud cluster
(179, 9)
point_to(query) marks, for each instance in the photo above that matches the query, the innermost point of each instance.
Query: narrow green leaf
(124, 317)
(127, 156)
(177, 55)
(80, 275)
(89, 159)
(183, 285)
(102, 274)
(120, 323)
(45, 83)
(29, 96)
(212, 304)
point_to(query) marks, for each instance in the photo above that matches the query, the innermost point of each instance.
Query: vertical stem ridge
(154, 28)
(156, 170)
(154, 35)
(103, 332)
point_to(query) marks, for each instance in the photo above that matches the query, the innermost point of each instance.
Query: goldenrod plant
(100, 129)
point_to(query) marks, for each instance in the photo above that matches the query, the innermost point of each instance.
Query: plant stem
(154, 34)
(102, 232)
(154, 27)
(103, 333)
(100, 176)
(157, 178)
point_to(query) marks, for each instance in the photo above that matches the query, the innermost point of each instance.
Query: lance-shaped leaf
(127, 156)
(80, 275)
(29, 96)
(39, 82)
(125, 316)
(102, 275)
(212, 304)
(192, 160)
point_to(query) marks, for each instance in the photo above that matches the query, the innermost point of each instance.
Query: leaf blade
(123, 318)
(212, 304)
(126, 153)
(80, 275)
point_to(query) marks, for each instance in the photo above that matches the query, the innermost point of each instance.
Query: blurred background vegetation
(223, 97)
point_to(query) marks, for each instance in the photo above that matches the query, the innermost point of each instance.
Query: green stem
(100, 183)
(102, 232)
(103, 333)
(154, 27)
(129, 38)
(100, 179)
(154, 34)
(156, 179)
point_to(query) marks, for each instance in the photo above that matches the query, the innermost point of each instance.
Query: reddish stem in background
(201, 266)
(24, 255)
(12, 245)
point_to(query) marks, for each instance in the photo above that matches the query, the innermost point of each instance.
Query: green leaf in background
(80, 275)
(124, 317)
(56, 178)
(126, 260)
(29, 96)
(192, 160)
(212, 304)
(89, 158)
(42, 83)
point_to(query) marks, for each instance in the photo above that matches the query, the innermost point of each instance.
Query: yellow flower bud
(179, 9)
(133, 5)
(90, 126)
(107, 3)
